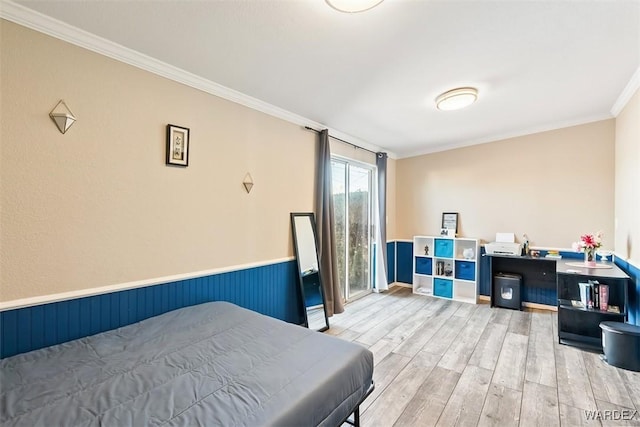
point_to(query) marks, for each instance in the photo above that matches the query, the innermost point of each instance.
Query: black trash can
(621, 345)
(507, 291)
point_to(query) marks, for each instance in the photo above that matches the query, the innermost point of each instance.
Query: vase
(467, 253)
(590, 257)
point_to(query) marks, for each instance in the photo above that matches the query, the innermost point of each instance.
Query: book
(585, 294)
(604, 297)
(613, 309)
(589, 294)
(594, 285)
(553, 254)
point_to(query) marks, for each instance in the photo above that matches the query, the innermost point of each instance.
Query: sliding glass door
(352, 200)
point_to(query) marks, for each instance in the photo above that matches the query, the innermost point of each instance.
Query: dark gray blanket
(210, 364)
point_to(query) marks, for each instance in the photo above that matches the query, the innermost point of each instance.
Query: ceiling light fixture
(353, 6)
(456, 99)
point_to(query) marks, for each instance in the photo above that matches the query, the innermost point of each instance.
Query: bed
(209, 364)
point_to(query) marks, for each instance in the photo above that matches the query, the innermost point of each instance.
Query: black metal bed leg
(356, 418)
(356, 412)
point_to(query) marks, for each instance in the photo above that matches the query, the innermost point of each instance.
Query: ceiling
(373, 76)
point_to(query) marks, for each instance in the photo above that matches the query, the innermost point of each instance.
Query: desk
(581, 326)
(576, 326)
(536, 273)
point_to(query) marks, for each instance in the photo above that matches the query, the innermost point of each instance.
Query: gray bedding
(210, 364)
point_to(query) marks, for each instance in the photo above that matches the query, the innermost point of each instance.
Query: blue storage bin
(465, 270)
(443, 288)
(423, 265)
(444, 248)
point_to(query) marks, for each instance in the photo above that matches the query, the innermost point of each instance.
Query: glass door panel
(352, 203)
(339, 183)
(359, 230)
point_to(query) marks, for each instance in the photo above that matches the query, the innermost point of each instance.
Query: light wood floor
(440, 362)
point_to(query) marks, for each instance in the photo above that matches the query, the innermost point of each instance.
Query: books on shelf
(594, 295)
(604, 298)
(553, 254)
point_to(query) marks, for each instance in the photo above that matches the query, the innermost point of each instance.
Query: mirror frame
(303, 304)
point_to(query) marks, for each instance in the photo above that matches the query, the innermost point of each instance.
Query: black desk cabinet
(537, 273)
(581, 326)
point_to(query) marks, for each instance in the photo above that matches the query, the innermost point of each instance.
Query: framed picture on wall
(177, 146)
(450, 221)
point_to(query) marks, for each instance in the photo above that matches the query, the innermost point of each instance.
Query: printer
(504, 245)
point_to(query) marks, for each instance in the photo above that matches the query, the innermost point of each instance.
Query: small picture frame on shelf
(446, 232)
(450, 221)
(177, 146)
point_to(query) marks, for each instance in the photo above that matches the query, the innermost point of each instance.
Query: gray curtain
(381, 163)
(326, 230)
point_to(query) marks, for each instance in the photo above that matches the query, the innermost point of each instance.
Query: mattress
(209, 364)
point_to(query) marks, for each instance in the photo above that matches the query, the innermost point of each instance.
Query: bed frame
(356, 413)
(215, 362)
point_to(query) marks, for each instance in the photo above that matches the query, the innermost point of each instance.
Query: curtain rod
(342, 140)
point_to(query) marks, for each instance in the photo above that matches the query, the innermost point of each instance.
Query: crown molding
(42, 23)
(627, 93)
(500, 137)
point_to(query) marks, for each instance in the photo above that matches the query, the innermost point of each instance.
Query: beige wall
(97, 206)
(349, 151)
(392, 199)
(554, 186)
(627, 181)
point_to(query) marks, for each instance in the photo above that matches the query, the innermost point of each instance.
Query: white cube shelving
(446, 267)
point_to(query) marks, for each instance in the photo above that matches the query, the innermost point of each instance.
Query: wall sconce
(248, 183)
(62, 116)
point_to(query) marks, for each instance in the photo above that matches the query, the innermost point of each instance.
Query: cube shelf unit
(446, 267)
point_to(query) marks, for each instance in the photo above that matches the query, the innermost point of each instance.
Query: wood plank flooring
(446, 363)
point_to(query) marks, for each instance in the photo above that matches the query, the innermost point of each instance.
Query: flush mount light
(456, 99)
(353, 6)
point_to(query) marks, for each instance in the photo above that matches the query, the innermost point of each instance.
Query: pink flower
(588, 241)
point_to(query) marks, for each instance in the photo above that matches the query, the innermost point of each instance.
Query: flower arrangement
(588, 244)
(588, 241)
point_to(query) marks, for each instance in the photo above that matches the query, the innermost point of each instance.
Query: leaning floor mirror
(303, 227)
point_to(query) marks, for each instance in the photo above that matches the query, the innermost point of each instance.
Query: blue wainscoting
(484, 277)
(634, 289)
(271, 290)
(404, 262)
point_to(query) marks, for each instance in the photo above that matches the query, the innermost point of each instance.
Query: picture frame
(450, 221)
(446, 232)
(177, 146)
